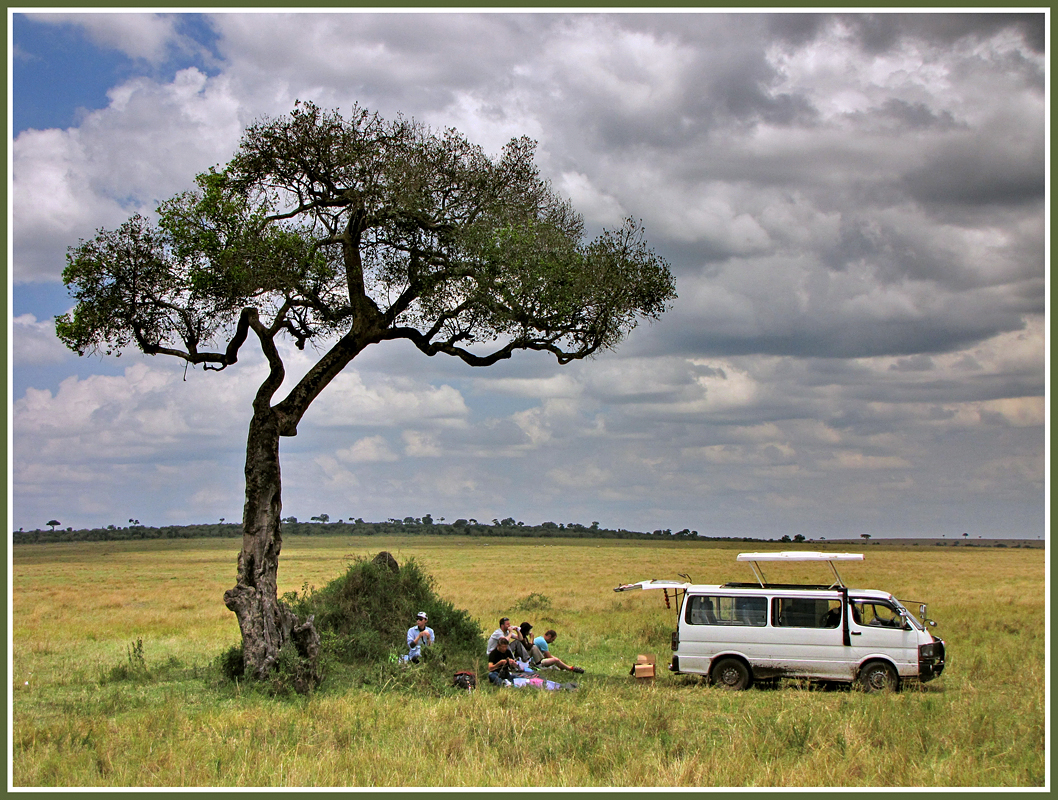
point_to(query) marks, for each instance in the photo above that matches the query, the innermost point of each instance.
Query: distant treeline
(322, 526)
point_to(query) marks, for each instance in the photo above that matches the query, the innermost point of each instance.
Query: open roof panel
(792, 555)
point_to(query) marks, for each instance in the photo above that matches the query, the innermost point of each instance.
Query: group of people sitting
(513, 652)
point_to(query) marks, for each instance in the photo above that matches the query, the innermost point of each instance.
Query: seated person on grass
(522, 642)
(499, 633)
(418, 635)
(517, 646)
(501, 663)
(542, 654)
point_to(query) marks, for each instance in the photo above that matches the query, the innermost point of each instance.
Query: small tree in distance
(865, 536)
(345, 233)
(53, 523)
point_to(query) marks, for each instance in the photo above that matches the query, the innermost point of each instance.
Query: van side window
(880, 615)
(806, 612)
(718, 610)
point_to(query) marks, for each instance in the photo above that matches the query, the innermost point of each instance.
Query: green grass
(118, 642)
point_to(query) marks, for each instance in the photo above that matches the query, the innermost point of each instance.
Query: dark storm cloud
(877, 33)
(978, 173)
(914, 116)
(838, 335)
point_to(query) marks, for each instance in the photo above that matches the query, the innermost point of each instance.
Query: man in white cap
(419, 635)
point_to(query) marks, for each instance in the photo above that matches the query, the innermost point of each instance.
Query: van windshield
(909, 616)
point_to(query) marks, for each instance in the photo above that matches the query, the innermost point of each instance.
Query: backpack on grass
(464, 679)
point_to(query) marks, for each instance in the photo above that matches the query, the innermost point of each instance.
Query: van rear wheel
(731, 673)
(878, 677)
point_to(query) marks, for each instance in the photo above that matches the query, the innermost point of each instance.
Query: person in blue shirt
(541, 653)
(418, 636)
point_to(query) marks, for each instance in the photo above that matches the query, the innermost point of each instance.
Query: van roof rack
(759, 585)
(797, 555)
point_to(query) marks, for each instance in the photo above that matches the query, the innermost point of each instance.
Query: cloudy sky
(853, 207)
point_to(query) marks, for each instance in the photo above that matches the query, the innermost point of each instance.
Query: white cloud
(598, 207)
(560, 384)
(141, 414)
(420, 445)
(34, 342)
(146, 145)
(391, 401)
(147, 36)
(368, 449)
(581, 476)
(327, 474)
(846, 459)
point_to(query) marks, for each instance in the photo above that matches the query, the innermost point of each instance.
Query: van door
(876, 628)
(807, 638)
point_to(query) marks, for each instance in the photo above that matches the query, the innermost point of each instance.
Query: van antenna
(685, 576)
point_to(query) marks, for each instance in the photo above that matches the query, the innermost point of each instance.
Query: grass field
(113, 681)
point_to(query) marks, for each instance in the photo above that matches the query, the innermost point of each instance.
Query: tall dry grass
(90, 716)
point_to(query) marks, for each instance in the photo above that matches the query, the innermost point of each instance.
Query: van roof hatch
(786, 555)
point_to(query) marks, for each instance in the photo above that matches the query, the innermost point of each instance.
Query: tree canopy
(364, 230)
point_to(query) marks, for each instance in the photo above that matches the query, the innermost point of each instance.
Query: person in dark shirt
(521, 642)
(501, 663)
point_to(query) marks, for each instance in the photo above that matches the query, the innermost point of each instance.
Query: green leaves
(370, 229)
(115, 278)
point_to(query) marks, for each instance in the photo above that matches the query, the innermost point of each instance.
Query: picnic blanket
(537, 682)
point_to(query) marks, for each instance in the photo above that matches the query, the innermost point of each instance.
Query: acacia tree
(345, 233)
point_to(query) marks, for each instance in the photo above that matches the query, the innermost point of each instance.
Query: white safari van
(737, 633)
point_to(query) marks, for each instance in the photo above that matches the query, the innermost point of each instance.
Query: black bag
(465, 679)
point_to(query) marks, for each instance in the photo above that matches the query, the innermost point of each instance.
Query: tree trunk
(267, 625)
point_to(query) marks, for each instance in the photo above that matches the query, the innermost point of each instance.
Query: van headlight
(926, 651)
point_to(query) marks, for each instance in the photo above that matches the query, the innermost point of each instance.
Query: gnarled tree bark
(267, 625)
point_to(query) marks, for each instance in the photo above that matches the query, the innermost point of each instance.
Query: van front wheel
(878, 677)
(731, 674)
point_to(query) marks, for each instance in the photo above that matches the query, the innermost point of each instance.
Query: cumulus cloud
(348, 401)
(34, 342)
(148, 144)
(370, 448)
(146, 36)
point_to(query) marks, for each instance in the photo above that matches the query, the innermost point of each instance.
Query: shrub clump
(363, 618)
(535, 602)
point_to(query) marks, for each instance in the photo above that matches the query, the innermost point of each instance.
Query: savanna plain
(114, 676)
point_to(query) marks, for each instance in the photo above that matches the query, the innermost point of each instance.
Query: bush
(535, 602)
(363, 618)
(231, 663)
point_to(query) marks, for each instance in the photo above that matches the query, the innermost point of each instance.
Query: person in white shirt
(418, 636)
